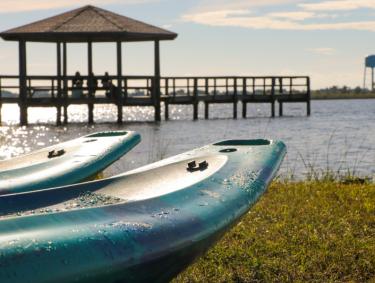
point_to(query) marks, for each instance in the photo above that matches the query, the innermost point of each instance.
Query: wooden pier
(59, 92)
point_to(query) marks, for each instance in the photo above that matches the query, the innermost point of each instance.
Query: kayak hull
(148, 238)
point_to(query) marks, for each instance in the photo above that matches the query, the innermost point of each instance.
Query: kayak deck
(142, 226)
(66, 163)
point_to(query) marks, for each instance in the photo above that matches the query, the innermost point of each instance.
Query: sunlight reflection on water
(339, 135)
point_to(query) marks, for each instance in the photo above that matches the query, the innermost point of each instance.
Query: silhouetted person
(110, 88)
(77, 80)
(94, 83)
(77, 83)
(106, 81)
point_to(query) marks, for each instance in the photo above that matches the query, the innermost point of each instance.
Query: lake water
(340, 134)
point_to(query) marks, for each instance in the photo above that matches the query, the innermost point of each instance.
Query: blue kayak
(65, 163)
(145, 225)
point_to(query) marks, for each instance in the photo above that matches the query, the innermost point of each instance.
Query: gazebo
(86, 25)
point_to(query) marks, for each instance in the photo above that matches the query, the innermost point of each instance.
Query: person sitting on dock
(94, 83)
(106, 82)
(77, 84)
(110, 88)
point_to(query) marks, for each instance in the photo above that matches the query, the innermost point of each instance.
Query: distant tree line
(344, 89)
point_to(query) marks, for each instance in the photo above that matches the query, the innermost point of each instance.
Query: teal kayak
(65, 163)
(145, 225)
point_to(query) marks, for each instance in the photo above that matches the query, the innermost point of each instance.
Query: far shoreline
(316, 95)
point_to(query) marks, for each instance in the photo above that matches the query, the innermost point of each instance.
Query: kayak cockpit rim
(107, 134)
(257, 142)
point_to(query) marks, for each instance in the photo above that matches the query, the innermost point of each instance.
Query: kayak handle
(56, 153)
(228, 150)
(192, 166)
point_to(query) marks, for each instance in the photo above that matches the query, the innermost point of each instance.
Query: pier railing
(52, 91)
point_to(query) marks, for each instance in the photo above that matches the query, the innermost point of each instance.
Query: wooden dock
(59, 92)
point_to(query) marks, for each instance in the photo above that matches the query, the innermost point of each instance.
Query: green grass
(317, 231)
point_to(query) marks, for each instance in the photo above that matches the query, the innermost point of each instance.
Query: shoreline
(341, 98)
(316, 95)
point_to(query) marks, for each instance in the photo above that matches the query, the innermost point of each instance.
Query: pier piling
(58, 108)
(90, 105)
(308, 101)
(157, 80)
(166, 110)
(196, 101)
(235, 98)
(244, 109)
(119, 97)
(280, 109)
(22, 83)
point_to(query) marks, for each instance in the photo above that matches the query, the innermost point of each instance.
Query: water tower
(369, 63)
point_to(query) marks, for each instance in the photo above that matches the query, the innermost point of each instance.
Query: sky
(324, 39)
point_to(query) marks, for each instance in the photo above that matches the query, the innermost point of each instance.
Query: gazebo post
(65, 92)
(119, 82)
(157, 81)
(22, 82)
(58, 65)
(89, 83)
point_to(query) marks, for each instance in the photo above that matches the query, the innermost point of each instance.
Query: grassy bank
(298, 232)
(341, 95)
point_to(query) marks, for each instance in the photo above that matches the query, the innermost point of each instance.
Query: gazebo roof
(88, 23)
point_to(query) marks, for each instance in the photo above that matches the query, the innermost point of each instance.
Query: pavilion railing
(142, 86)
(50, 91)
(212, 86)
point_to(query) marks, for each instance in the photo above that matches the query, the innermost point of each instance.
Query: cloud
(306, 17)
(319, 5)
(295, 16)
(167, 26)
(243, 18)
(322, 50)
(338, 5)
(210, 5)
(301, 15)
(11, 6)
(237, 18)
